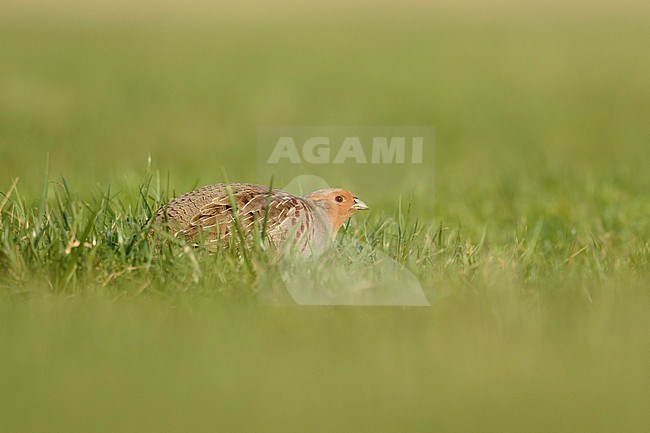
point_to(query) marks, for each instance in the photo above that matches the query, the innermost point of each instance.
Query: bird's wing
(245, 208)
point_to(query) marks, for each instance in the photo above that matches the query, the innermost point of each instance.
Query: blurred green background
(542, 119)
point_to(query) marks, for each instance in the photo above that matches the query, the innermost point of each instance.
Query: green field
(527, 225)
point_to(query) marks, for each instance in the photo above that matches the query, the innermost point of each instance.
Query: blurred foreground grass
(532, 238)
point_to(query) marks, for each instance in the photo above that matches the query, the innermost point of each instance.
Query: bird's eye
(339, 198)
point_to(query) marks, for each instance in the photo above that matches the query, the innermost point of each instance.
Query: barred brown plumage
(215, 212)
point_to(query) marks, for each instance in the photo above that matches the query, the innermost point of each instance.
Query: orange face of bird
(339, 205)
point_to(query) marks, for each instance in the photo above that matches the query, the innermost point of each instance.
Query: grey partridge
(218, 212)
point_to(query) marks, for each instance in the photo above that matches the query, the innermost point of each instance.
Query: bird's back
(209, 212)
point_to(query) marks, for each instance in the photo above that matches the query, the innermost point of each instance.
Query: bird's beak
(359, 205)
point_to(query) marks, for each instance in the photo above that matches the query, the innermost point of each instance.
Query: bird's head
(338, 204)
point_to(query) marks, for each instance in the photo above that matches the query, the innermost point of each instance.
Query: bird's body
(218, 212)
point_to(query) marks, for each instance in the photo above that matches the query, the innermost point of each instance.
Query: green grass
(528, 226)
